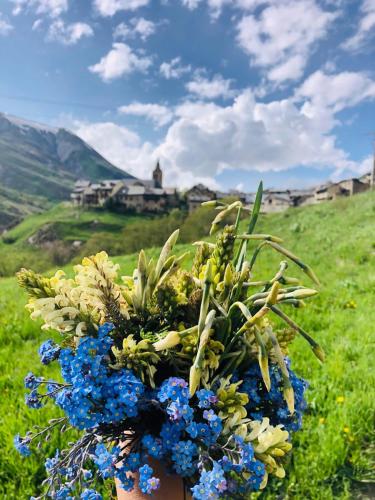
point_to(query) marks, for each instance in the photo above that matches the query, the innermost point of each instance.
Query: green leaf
(165, 252)
(256, 209)
(252, 223)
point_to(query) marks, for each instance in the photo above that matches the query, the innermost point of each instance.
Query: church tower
(157, 176)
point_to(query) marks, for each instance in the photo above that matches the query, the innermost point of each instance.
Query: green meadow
(334, 454)
(66, 233)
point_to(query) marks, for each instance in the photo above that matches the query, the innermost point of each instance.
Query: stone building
(276, 201)
(232, 194)
(128, 195)
(279, 200)
(149, 195)
(198, 194)
(347, 187)
(157, 176)
(302, 197)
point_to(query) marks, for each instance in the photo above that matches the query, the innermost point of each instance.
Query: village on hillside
(149, 196)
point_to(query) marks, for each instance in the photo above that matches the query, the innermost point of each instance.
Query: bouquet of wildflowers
(188, 368)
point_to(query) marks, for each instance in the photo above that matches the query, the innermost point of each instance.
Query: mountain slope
(15, 206)
(44, 161)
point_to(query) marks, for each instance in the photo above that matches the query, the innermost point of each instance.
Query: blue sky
(225, 92)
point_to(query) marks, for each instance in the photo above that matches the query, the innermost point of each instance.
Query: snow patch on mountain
(27, 124)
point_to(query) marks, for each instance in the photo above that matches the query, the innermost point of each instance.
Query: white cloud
(291, 69)
(119, 145)
(68, 34)
(124, 149)
(5, 26)
(123, 31)
(251, 4)
(157, 113)
(210, 89)
(52, 8)
(335, 92)
(191, 4)
(355, 170)
(174, 69)
(139, 26)
(282, 37)
(206, 138)
(366, 28)
(37, 24)
(216, 6)
(246, 135)
(251, 135)
(110, 7)
(119, 61)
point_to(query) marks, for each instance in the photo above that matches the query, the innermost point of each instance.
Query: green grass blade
(256, 209)
(252, 223)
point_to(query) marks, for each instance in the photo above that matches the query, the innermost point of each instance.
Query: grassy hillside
(65, 233)
(15, 206)
(59, 234)
(334, 453)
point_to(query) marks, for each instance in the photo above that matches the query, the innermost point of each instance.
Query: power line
(55, 102)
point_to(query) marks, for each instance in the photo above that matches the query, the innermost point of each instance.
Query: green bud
(289, 395)
(272, 296)
(171, 340)
(194, 379)
(166, 250)
(228, 276)
(319, 353)
(303, 293)
(210, 203)
(263, 365)
(142, 262)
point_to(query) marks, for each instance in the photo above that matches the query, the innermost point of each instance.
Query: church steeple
(157, 176)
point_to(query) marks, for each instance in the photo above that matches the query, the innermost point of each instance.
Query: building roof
(284, 197)
(139, 182)
(323, 187)
(137, 190)
(231, 193)
(301, 192)
(365, 177)
(199, 199)
(134, 190)
(250, 198)
(200, 190)
(89, 190)
(81, 183)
